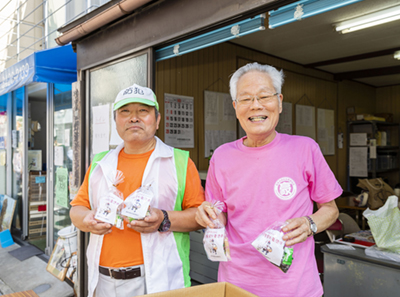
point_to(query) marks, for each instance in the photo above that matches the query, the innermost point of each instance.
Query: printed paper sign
(59, 156)
(62, 187)
(101, 128)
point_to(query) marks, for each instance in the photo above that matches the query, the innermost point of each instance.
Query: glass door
(61, 157)
(6, 202)
(102, 86)
(18, 155)
(3, 143)
(36, 164)
(118, 75)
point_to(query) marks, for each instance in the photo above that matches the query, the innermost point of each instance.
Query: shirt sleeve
(322, 182)
(213, 189)
(194, 192)
(82, 198)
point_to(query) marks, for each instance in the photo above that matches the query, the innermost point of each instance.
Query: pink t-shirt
(261, 185)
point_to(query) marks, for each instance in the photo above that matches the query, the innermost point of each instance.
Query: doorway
(36, 166)
(61, 158)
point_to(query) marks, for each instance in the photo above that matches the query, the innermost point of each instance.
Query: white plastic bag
(385, 224)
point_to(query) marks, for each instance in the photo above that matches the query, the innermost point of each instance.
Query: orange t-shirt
(123, 248)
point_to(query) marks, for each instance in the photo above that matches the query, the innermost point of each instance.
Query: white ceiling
(314, 40)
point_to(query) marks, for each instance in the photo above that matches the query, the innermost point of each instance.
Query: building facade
(36, 77)
(186, 49)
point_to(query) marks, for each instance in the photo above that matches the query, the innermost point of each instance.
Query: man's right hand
(83, 219)
(204, 215)
(95, 226)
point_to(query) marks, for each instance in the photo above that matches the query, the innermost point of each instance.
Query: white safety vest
(166, 255)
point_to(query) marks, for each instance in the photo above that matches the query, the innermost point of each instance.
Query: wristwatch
(165, 224)
(313, 226)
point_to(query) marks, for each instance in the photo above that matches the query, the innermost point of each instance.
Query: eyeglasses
(262, 100)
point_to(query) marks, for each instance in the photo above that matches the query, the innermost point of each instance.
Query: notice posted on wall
(179, 120)
(358, 161)
(358, 139)
(305, 121)
(285, 124)
(62, 187)
(101, 128)
(326, 130)
(219, 121)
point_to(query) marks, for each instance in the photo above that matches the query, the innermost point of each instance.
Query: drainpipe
(114, 12)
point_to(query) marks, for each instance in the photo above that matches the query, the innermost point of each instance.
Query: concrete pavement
(30, 274)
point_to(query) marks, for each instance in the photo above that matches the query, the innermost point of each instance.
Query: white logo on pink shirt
(285, 188)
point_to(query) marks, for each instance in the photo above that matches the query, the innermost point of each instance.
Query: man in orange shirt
(149, 255)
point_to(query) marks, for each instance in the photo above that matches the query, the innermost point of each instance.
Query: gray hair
(275, 75)
(155, 109)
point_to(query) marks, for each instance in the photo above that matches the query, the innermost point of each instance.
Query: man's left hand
(298, 231)
(149, 224)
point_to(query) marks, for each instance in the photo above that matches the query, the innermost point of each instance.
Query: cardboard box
(209, 290)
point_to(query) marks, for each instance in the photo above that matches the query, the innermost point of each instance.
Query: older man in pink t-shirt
(267, 177)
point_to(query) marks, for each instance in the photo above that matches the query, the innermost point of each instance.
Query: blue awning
(55, 65)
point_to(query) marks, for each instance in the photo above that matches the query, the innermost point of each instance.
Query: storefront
(186, 55)
(139, 49)
(36, 143)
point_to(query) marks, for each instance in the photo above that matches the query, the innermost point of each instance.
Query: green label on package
(288, 256)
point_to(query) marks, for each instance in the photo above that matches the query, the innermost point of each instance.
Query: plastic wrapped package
(271, 245)
(110, 202)
(380, 253)
(137, 204)
(215, 240)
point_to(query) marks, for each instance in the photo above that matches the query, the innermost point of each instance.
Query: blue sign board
(55, 65)
(40, 179)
